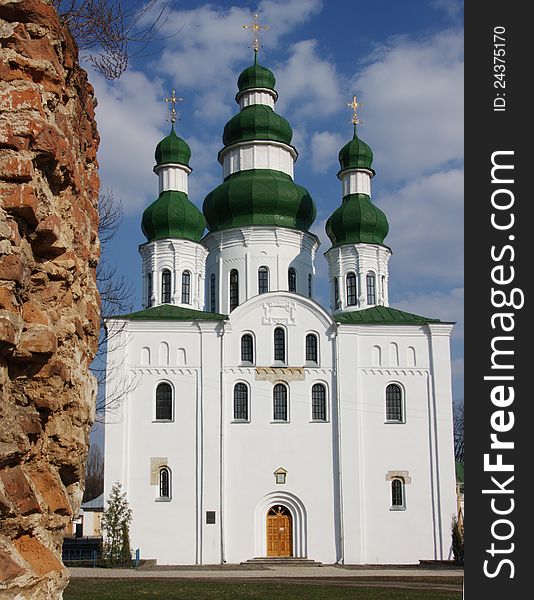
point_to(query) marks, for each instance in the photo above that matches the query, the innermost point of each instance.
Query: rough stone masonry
(49, 304)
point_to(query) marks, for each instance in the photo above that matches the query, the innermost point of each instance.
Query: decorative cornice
(392, 371)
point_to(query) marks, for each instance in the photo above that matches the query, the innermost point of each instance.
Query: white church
(258, 423)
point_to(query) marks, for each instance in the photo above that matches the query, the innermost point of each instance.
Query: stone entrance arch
(298, 523)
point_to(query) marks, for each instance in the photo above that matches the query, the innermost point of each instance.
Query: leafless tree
(94, 474)
(112, 31)
(458, 414)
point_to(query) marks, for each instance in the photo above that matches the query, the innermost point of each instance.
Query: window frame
(352, 288)
(314, 419)
(401, 400)
(161, 497)
(233, 291)
(396, 503)
(311, 361)
(370, 281)
(252, 348)
(278, 386)
(337, 299)
(149, 290)
(263, 280)
(279, 361)
(213, 296)
(186, 287)
(166, 286)
(292, 280)
(158, 385)
(246, 388)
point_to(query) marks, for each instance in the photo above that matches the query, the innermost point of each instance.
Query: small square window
(210, 517)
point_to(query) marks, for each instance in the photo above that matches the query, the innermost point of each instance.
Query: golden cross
(355, 105)
(255, 27)
(173, 100)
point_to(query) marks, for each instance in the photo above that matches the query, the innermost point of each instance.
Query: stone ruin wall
(49, 304)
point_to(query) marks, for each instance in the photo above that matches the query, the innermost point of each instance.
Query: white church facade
(257, 423)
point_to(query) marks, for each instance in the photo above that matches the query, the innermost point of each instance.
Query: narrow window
(240, 402)
(394, 403)
(318, 402)
(166, 287)
(311, 348)
(292, 280)
(186, 287)
(164, 483)
(310, 285)
(149, 290)
(263, 280)
(247, 349)
(234, 289)
(351, 289)
(337, 304)
(397, 493)
(371, 289)
(212, 293)
(279, 345)
(163, 402)
(279, 402)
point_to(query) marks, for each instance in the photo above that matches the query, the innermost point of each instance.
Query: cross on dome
(355, 105)
(255, 28)
(173, 100)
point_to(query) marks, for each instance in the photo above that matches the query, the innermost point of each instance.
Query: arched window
(394, 403)
(149, 289)
(292, 280)
(163, 402)
(240, 402)
(234, 289)
(371, 289)
(351, 290)
(212, 293)
(310, 285)
(397, 493)
(263, 280)
(165, 483)
(318, 402)
(311, 348)
(186, 287)
(337, 304)
(247, 348)
(166, 287)
(279, 345)
(279, 402)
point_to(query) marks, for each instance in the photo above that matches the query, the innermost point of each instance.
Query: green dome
(256, 76)
(257, 122)
(172, 149)
(173, 215)
(357, 221)
(356, 154)
(259, 197)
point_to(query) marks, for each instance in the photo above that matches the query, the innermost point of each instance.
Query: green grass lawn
(134, 589)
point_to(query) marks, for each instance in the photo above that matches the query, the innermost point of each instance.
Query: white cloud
(130, 119)
(325, 147)
(413, 97)
(426, 230)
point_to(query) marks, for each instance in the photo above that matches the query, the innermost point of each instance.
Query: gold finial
(255, 27)
(173, 100)
(355, 105)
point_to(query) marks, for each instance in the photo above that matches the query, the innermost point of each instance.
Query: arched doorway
(279, 532)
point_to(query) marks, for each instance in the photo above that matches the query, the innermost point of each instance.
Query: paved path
(234, 572)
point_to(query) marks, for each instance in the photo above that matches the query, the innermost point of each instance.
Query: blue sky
(404, 61)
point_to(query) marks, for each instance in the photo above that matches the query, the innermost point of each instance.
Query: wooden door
(279, 533)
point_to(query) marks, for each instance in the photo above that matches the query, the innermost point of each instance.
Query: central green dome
(356, 154)
(173, 215)
(257, 122)
(259, 197)
(255, 77)
(172, 149)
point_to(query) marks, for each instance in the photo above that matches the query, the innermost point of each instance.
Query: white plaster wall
(173, 177)
(357, 181)
(257, 96)
(258, 155)
(177, 256)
